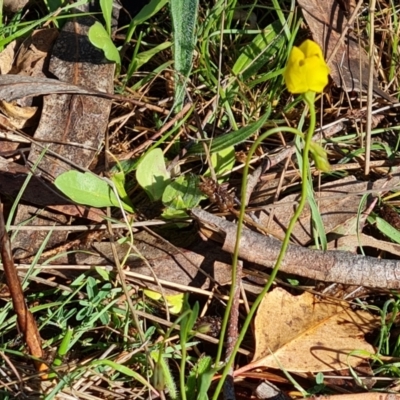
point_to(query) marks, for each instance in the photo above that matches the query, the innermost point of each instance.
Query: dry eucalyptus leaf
(349, 66)
(34, 53)
(168, 264)
(307, 334)
(13, 87)
(347, 243)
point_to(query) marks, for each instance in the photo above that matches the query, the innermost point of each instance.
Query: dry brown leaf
(336, 202)
(304, 334)
(34, 53)
(7, 57)
(192, 267)
(349, 66)
(20, 117)
(32, 56)
(354, 241)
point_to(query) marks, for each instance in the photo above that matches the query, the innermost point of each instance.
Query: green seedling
(162, 377)
(99, 37)
(200, 378)
(223, 162)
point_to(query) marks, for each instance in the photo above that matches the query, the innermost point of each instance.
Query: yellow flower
(306, 69)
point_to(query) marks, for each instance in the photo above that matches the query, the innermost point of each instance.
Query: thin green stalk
(309, 99)
(240, 227)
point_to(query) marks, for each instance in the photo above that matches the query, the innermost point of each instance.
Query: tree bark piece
(329, 266)
(72, 120)
(73, 125)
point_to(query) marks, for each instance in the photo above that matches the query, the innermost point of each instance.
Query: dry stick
(330, 266)
(370, 88)
(26, 322)
(168, 125)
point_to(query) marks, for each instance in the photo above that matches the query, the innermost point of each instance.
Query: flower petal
(306, 69)
(294, 72)
(316, 72)
(310, 49)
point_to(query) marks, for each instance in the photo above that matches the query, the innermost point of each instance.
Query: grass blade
(184, 16)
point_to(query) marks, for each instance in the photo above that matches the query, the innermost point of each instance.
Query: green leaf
(231, 139)
(104, 274)
(200, 379)
(261, 50)
(183, 193)
(118, 179)
(184, 20)
(86, 188)
(123, 370)
(145, 56)
(106, 9)
(99, 37)
(188, 320)
(152, 174)
(388, 229)
(174, 301)
(222, 162)
(150, 9)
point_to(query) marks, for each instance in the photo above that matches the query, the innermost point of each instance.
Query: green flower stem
(309, 100)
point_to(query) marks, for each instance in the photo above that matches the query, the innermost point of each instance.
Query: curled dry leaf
(29, 59)
(19, 117)
(305, 334)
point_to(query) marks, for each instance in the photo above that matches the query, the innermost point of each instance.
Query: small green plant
(101, 37)
(195, 383)
(306, 73)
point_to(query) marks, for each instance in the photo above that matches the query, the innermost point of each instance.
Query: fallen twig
(330, 266)
(26, 322)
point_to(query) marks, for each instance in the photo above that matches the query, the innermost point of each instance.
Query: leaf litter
(299, 333)
(309, 334)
